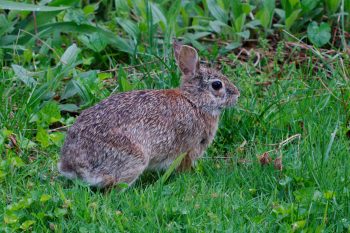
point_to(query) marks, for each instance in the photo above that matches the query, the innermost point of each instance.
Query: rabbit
(116, 140)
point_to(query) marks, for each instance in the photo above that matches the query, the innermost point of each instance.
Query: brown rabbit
(117, 139)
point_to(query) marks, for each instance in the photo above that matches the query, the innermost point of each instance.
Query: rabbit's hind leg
(121, 165)
(66, 170)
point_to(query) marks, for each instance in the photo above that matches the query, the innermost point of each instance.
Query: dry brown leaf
(13, 140)
(264, 159)
(278, 163)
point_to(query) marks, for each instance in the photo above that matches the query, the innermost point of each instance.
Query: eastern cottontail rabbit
(117, 139)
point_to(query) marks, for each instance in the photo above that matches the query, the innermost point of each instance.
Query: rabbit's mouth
(232, 101)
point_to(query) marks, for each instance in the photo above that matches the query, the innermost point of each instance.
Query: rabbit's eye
(216, 85)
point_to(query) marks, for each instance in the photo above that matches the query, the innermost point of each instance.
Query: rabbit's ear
(187, 59)
(177, 47)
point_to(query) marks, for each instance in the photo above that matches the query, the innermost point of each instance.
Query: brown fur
(117, 139)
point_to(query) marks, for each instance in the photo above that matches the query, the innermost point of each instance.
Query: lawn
(294, 109)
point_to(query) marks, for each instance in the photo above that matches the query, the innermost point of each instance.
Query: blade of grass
(172, 168)
(331, 141)
(18, 6)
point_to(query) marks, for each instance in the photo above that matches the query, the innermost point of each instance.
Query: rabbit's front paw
(186, 164)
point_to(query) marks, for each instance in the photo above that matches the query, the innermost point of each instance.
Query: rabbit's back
(162, 122)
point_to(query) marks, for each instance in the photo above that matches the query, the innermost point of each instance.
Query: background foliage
(289, 58)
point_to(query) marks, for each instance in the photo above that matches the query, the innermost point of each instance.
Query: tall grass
(294, 106)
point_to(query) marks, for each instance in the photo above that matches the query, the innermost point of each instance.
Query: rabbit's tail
(66, 170)
(92, 179)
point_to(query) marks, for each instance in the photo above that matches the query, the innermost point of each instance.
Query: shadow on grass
(148, 178)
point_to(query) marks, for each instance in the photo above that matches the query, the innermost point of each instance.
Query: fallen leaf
(118, 212)
(244, 161)
(278, 163)
(52, 226)
(13, 140)
(264, 159)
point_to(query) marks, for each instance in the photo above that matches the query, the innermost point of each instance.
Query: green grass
(311, 193)
(294, 109)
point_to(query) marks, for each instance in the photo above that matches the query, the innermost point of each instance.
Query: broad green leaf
(6, 26)
(24, 75)
(103, 76)
(19, 6)
(239, 23)
(245, 34)
(246, 8)
(50, 113)
(4, 133)
(63, 2)
(287, 7)
(157, 14)
(24, 203)
(2, 174)
(124, 84)
(319, 35)
(292, 18)
(329, 194)
(265, 14)
(17, 162)
(236, 8)
(94, 41)
(173, 12)
(252, 24)
(333, 5)
(45, 198)
(70, 90)
(121, 6)
(316, 196)
(90, 9)
(90, 80)
(230, 47)
(281, 13)
(197, 35)
(57, 138)
(293, 3)
(71, 27)
(347, 7)
(70, 55)
(59, 212)
(129, 27)
(270, 5)
(217, 11)
(27, 224)
(298, 225)
(69, 107)
(216, 25)
(286, 180)
(38, 94)
(303, 195)
(10, 218)
(308, 5)
(239, 8)
(75, 15)
(43, 137)
(82, 91)
(26, 144)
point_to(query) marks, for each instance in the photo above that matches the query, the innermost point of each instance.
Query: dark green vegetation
(294, 105)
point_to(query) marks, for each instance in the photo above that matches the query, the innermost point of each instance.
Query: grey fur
(117, 139)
